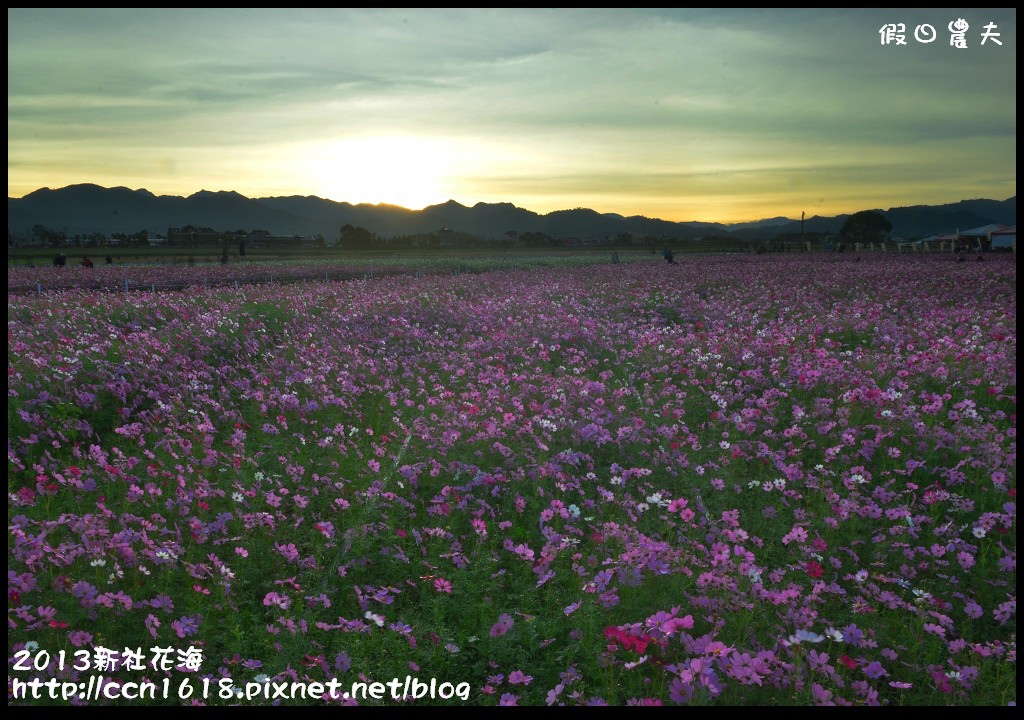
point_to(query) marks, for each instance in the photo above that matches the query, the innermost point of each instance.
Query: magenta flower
(814, 569)
(442, 585)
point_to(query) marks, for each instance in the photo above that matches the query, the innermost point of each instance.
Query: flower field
(770, 480)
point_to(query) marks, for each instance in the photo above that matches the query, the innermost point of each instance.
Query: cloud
(595, 99)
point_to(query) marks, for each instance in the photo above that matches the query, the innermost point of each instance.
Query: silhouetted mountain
(84, 209)
(922, 220)
(760, 224)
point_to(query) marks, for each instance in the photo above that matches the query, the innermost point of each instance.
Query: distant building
(193, 236)
(263, 240)
(981, 239)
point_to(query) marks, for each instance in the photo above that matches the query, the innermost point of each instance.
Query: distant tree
(319, 241)
(866, 226)
(356, 238)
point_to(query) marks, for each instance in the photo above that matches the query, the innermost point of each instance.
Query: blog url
(99, 687)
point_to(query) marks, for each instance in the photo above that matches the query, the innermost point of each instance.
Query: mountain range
(87, 208)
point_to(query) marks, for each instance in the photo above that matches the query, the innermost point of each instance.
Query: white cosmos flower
(806, 636)
(656, 499)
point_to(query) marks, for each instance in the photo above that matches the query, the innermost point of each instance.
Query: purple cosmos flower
(874, 670)
(518, 677)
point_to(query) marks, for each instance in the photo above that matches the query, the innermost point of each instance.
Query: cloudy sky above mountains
(711, 115)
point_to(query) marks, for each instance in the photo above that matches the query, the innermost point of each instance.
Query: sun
(406, 171)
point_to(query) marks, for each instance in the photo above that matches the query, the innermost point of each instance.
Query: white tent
(1005, 238)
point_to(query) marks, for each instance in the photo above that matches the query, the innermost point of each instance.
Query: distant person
(59, 260)
(110, 260)
(241, 248)
(86, 262)
(615, 258)
(670, 256)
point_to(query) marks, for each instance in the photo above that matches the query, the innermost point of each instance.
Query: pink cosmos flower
(504, 624)
(273, 599)
(289, 551)
(517, 677)
(78, 638)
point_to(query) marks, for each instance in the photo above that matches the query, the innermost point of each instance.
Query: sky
(729, 115)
